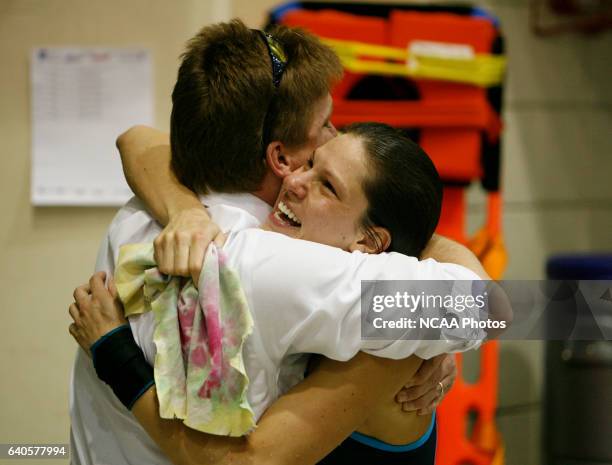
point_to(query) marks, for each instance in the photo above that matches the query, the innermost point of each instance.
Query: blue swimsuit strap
(378, 444)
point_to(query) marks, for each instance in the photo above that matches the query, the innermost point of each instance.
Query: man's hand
(95, 311)
(181, 246)
(429, 385)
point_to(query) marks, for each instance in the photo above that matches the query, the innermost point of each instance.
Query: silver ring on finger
(440, 389)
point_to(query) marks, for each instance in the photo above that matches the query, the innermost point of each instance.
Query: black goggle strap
(279, 62)
(277, 57)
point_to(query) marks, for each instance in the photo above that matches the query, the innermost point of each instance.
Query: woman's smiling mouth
(285, 215)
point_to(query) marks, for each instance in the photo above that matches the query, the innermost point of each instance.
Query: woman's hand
(95, 311)
(429, 385)
(181, 246)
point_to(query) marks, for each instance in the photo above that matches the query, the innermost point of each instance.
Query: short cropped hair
(223, 92)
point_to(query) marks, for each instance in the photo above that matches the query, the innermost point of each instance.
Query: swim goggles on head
(277, 56)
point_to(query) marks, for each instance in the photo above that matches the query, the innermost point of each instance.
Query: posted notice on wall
(82, 99)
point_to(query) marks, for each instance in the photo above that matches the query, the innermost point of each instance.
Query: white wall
(46, 252)
(557, 168)
(558, 198)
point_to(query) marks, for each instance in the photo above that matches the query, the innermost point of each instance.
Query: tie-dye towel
(199, 371)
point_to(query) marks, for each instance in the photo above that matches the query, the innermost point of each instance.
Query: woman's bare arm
(145, 156)
(180, 248)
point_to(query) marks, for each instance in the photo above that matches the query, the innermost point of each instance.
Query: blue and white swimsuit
(359, 449)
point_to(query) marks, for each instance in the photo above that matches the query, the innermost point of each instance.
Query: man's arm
(499, 308)
(300, 428)
(433, 380)
(312, 419)
(320, 288)
(180, 247)
(443, 249)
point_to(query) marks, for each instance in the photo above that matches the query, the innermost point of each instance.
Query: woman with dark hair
(384, 187)
(369, 190)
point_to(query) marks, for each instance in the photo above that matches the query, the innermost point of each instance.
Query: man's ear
(376, 241)
(276, 159)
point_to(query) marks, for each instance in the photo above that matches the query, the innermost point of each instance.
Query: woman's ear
(376, 240)
(276, 160)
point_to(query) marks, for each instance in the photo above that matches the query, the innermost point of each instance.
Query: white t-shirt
(304, 298)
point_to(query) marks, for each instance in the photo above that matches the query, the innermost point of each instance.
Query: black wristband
(120, 363)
